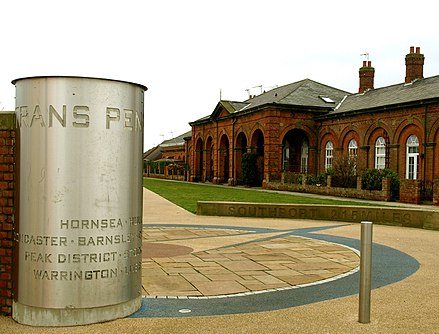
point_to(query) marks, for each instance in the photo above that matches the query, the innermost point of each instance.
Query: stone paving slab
(230, 262)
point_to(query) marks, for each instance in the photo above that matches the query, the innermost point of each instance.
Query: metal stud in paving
(185, 310)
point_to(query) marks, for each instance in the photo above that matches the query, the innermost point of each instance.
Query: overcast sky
(185, 52)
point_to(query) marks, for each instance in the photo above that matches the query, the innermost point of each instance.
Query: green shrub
(292, 178)
(372, 179)
(250, 174)
(319, 180)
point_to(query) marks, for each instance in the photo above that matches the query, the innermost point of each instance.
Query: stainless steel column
(79, 231)
(365, 271)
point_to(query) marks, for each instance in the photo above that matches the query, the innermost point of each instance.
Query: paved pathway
(405, 298)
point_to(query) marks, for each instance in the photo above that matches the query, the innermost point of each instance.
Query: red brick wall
(7, 160)
(174, 152)
(397, 125)
(410, 191)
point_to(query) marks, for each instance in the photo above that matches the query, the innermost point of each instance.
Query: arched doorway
(295, 148)
(199, 160)
(240, 150)
(257, 146)
(209, 159)
(223, 157)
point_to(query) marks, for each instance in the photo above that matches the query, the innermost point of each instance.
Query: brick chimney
(414, 65)
(367, 73)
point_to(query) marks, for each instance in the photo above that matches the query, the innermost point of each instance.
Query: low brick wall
(376, 195)
(380, 215)
(410, 191)
(436, 192)
(166, 177)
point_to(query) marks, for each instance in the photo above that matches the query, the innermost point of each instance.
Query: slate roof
(419, 90)
(152, 154)
(177, 141)
(232, 106)
(314, 95)
(305, 93)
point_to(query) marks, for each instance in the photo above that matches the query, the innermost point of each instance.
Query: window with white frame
(352, 149)
(352, 154)
(304, 157)
(329, 155)
(380, 153)
(412, 159)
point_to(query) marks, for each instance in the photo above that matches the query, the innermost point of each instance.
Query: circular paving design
(230, 262)
(235, 270)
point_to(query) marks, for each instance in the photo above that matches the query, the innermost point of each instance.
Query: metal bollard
(365, 271)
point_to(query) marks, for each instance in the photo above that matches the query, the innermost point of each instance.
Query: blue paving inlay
(389, 265)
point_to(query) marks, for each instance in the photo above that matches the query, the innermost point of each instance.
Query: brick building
(305, 126)
(168, 159)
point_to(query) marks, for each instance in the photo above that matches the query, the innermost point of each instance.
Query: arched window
(352, 154)
(380, 153)
(412, 160)
(304, 157)
(329, 155)
(352, 148)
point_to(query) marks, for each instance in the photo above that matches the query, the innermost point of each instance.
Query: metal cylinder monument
(79, 233)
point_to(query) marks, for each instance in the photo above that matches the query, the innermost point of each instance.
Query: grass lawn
(186, 195)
